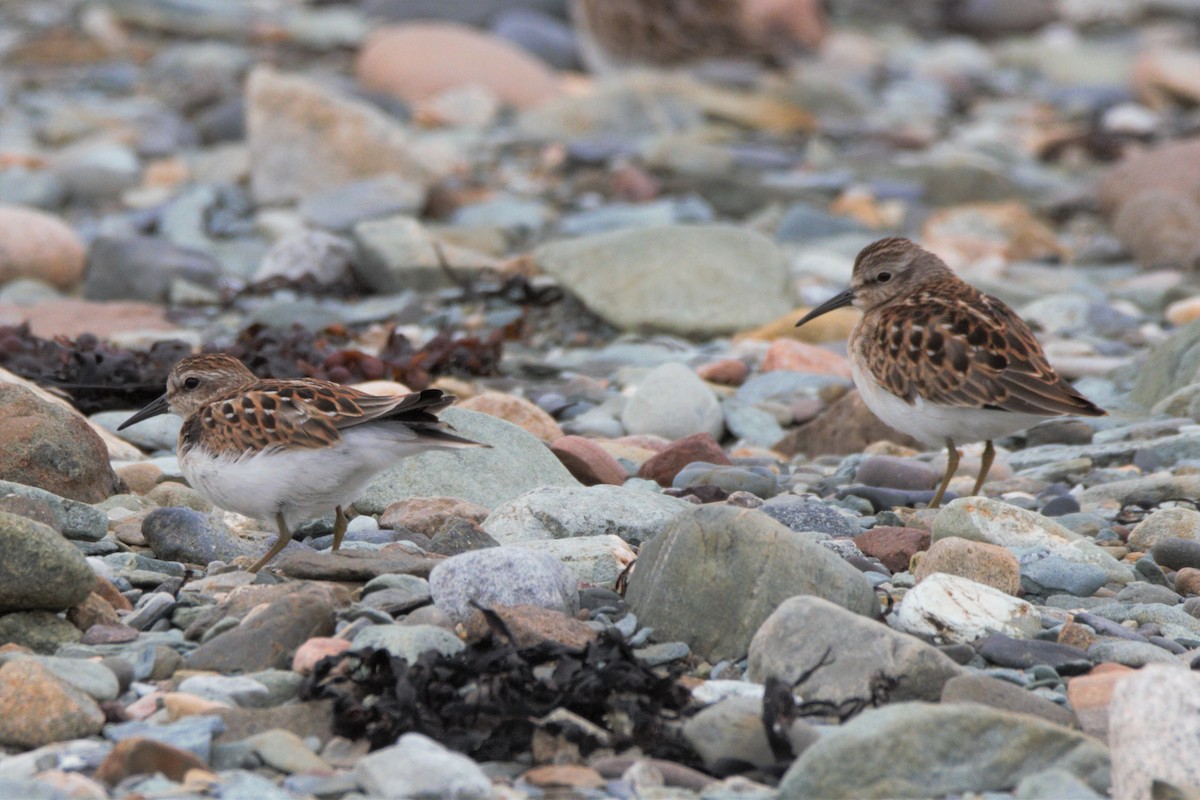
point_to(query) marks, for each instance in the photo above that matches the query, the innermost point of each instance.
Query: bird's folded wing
(967, 353)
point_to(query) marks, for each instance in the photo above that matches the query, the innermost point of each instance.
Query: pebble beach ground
(605, 265)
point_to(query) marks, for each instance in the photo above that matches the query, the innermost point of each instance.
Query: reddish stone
(665, 465)
(801, 357)
(532, 625)
(141, 756)
(893, 546)
(1090, 696)
(108, 634)
(419, 60)
(565, 776)
(590, 463)
(94, 610)
(105, 588)
(727, 372)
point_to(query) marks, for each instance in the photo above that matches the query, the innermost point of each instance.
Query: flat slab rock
(356, 565)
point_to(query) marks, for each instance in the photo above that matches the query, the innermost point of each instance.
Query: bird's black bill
(159, 406)
(837, 301)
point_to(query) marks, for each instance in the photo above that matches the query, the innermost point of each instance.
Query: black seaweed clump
(487, 700)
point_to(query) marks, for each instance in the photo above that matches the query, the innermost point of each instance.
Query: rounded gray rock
(181, 534)
(505, 576)
(717, 572)
(40, 569)
(672, 401)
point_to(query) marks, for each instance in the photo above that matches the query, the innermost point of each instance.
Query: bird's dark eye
(191, 383)
(883, 277)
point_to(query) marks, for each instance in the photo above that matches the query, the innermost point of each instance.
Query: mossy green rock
(40, 569)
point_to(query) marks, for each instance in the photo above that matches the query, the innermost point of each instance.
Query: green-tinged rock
(938, 750)
(516, 462)
(40, 569)
(717, 572)
(803, 629)
(1170, 366)
(692, 280)
(76, 520)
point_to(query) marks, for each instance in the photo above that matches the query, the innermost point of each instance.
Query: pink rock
(313, 650)
(727, 372)
(664, 466)
(800, 357)
(34, 244)
(893, 546)
(419, 60)
(588, 462)
(71, 318)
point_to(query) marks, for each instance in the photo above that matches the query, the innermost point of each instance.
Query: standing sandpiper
(289, 451)
(938, 359)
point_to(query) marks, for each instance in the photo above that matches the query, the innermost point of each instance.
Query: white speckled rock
(1154, 730)
(417, 766)
(554, 512)
(957, 610)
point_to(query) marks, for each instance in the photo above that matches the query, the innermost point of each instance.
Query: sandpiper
(290, 450)
(940, 360)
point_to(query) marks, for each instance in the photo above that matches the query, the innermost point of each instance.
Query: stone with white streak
(954, 609)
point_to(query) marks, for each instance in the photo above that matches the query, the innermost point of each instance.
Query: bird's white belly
(934, 424)
(303, 484)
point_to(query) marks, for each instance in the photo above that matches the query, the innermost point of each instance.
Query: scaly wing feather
(965, 349)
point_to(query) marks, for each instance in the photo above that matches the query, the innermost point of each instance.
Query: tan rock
(847, 426)
(1181, 312)
(181, 704)
(1160, 227)
(140, 478)
(970, 233)
(802, 357)
(988, 564)
(532, 625)
(1163, 77)
(1187, 581)
(428, 515)
(52, 448)
(304, 138)
(1171, 167)
(73, 318)
(34, 244)
(312, 651)
(832, 327)
(420, 60)
(565, 776)
(516, 410)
